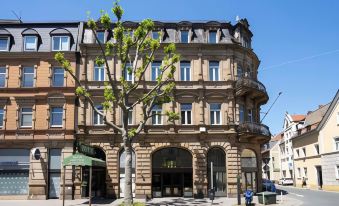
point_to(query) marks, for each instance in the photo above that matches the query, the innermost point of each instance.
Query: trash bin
(270, 198)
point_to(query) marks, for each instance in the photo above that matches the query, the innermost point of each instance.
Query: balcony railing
(254, 128)
(245, 82)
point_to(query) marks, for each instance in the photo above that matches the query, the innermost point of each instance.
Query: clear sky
(296, 41)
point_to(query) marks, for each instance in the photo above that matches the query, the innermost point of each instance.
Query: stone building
(36, 108)
(218, 96)
(271, 150)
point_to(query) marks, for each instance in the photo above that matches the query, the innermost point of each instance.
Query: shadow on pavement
(279, 191)
(99, 201)
(182, 202)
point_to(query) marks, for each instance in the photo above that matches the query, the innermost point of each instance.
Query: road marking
(296, 194)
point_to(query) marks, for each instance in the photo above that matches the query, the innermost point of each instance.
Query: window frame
(299, 172)
(337, 171)
(317, 149)
(103, 74)
(60, 43)
(336, 143)
(2, 113)
(157, 70)
(212, 78)
(129, 75)
(99, 117)
(5, 76)
(297, 152)
(53, 76)
(181, 36)
(35, 43)
(23, 76)
(158, 34)
(104, 37)
(216, 36)
(186, 114)
(8, 43)
(305, 172)
(241, 113)
(51, 117)
(130, 117)
(157, 112)
(25, 113)
(304, 151)
(215, 114)
(182, 67)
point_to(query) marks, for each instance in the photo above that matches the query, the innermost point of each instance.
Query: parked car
(268, 185)
(286, 181)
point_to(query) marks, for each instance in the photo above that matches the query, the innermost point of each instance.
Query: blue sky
(296, 41)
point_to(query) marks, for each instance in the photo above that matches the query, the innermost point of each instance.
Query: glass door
(54, 173)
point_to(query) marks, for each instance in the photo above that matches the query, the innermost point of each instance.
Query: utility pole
(270, 107)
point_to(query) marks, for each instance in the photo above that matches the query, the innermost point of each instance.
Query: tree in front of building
(136, 51)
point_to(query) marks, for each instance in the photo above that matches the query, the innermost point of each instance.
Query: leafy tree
(135, 50)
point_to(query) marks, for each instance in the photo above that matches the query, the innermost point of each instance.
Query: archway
(122, 157)
(172, 173)
(249, 170)
(98, 177)
(218, 157)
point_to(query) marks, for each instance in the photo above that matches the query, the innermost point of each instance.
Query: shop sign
(86, 149)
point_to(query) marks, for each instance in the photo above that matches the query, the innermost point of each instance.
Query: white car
(285, 181)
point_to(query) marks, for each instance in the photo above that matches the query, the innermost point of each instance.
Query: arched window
(216, 160)
(249, 170)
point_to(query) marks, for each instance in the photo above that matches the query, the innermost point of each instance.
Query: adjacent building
(316, 148)
(36, 107)
(271, 150)
(291, 124)
(217, 95)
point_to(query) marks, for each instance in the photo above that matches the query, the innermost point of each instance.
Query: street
(311, 197)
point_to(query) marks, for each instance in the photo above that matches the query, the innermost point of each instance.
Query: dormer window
(101, 36)
(212, 37)
(4, 43)
(155, 34)
(184, 36)
(30, 43)
(60, 43)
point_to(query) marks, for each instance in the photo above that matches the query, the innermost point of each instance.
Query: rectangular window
(2, 76)
(215, 114)
(250, 115)
(186, 113)
(239, 71)
(299, 172)
(60, 43)
(316, 146)
(337, 171)
(30, 43)
(101, 36)
(212, 37)
(97, 118)
(214, 70)
(336, 143)
(155, 35)
(26, 115)
(4, 43)
(305, 171)
(99, 73)
(338, 118)
(241, 113)
(129, 72)
(1, 117)
(130, 117)
(156, 115)
(304, 151)
(56, 116)
(184, 36)
(58, 77)
(185, 71)
(27, 77)
(155, 70)
(297, 151)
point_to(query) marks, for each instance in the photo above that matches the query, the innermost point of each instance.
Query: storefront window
(249, 170)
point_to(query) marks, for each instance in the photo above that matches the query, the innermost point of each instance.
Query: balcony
(251, 87)
(249, 131)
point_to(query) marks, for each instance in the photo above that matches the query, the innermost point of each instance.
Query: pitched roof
(316, 116)
(331, 107)
(298, 117)
(278, 137)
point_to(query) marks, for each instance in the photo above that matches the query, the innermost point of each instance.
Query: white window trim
(3, 117)
(161, 119)
(53, 73)
(98, 117)
(5, 79)
(97, 67)
(305, 174)
(335, 143)
(68, 46)
(186, 116)
(156, 71)
(126, 74)
(50, 122)
(213, 75)
(23, 73)
(105, 37)
(216, 37)
(185, 77)
(8, 42)
(20, 122)
(188, 36)
(215, 116)
(132, 119)
(35, 42)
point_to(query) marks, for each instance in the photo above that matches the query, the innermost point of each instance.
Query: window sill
(28, 127)
(57, 126)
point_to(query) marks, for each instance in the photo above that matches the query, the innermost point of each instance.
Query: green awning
(79, 159)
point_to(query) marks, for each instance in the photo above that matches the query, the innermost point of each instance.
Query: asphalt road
(312, 197)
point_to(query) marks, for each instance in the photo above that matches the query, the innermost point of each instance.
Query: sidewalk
(222, 201)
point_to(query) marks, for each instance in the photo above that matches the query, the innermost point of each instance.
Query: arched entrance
(172, 173)
(98, 177)
(122, 157)
(218, 157)
(249, 170)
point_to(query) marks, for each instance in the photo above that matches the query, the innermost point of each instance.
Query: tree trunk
(128, 195)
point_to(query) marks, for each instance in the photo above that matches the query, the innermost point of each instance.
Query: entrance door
(217, 159)
(320, 176)
(172, 184)
(249, 181)
(54, 173)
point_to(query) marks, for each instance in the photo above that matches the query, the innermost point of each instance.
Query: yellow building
(316, 149)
